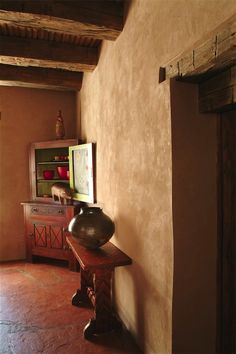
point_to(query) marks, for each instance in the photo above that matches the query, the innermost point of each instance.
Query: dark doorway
(194, 190)
(204, 206)
(227, 232)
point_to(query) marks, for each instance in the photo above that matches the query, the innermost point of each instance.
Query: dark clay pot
(91, 228)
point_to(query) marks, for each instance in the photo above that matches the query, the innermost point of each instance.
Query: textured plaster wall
(128, 114)
(27, 115)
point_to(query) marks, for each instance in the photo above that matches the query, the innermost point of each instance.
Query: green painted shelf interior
(45, 160)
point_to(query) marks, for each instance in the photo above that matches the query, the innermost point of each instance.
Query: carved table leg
(80, 297)
(101, 298)
(72, 262)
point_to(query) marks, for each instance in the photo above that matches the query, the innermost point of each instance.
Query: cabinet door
(40, 235)
(48, 236)
(55, 236)
(45, 226)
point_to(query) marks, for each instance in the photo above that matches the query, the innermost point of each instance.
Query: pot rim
(91, 209)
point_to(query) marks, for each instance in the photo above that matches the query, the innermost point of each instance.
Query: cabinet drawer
(47, 211)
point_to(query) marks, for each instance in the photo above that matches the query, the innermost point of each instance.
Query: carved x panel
(56, 236)
(40, 235)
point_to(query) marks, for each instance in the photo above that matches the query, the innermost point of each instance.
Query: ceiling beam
(47, 54)
(40, 78)
(214, 52)
(97, 19)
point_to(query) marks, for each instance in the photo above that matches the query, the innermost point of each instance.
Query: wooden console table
(96, 273)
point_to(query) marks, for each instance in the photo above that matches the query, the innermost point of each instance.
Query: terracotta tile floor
(36, 315)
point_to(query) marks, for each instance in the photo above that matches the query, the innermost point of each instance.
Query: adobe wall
(127, 113)
(27, 115)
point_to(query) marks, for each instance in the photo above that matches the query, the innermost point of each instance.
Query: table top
(104, 257)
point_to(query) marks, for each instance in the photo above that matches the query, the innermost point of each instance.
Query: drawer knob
(35, 209)
(60, 211)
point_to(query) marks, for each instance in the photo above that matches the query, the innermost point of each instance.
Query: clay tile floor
(36, 315)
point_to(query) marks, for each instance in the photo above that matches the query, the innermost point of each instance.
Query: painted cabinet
(46, 221)
(46, 230)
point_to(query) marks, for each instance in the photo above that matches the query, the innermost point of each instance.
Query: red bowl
(48, 174)
(62, 171)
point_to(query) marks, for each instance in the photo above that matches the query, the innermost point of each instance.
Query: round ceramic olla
(91, 228)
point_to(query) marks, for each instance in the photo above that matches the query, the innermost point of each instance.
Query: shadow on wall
(135, 290)
(131, 276)
(194, 154)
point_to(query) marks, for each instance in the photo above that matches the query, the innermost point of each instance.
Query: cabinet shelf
(52, 180)
(53, 163)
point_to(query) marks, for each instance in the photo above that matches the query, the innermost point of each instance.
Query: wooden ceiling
(50, 43)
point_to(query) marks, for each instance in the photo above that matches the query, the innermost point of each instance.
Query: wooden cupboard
(46, 221)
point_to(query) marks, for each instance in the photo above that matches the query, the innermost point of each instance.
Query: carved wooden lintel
(213, 53)
(219, 92)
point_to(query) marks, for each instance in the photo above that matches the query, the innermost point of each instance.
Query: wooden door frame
(210, 62)
(226, 228)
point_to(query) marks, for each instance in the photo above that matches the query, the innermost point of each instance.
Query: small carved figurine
(60, 130)
(62, 193)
